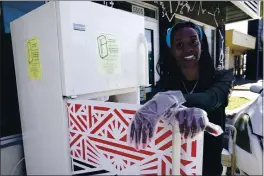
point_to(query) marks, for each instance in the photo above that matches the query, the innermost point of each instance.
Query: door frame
(155, 28)
(152, 24)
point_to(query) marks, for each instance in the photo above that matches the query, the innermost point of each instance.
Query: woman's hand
(146, 118)
(191, 121)
(167, 106)
(141, 131)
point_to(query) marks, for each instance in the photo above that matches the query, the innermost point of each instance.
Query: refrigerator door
(42, 111)
(101, 48)
(98, 143)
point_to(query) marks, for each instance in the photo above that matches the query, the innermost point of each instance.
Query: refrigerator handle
(145, 67)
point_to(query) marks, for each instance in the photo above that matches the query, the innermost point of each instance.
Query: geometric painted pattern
(98, 143)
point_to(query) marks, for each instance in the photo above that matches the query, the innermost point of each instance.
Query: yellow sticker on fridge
(108, 57)
(33, 59)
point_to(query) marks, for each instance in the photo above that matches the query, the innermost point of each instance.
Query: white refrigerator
(70, 57)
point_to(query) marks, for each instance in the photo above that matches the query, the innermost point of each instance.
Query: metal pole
(176, 150)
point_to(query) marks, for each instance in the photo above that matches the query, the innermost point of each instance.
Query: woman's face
(186, 48)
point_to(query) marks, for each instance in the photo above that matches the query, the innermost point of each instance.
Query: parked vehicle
(249, 138)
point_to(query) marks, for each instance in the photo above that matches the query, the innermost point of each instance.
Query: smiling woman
(186, 48)
(188, 66)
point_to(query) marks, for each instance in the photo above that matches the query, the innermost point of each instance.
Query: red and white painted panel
(98, 143)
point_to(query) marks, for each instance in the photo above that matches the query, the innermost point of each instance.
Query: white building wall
(239, 26)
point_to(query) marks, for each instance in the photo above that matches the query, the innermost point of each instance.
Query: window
(10, 117)
(149, 37)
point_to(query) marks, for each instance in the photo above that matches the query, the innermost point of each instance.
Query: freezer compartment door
(98, 143)
(101, 48)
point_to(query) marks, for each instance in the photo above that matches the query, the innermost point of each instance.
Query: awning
(213, 13)
(242, 10)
